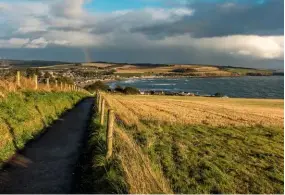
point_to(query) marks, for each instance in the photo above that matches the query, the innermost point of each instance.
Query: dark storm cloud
(222, 19)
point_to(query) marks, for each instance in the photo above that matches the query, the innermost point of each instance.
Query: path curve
(47, 164)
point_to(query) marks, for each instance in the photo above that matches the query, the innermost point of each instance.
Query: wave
(163, 84)
(129, 81)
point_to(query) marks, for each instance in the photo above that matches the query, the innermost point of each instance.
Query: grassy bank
(23, 115)
(128, 170)
(98, 175)
(203, 145)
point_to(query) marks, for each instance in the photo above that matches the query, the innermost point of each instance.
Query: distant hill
(42, 63)
(34, 63)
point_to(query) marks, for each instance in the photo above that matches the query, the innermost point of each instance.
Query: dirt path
(47, 164)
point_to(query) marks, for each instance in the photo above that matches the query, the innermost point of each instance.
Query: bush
(219, 95)
(119, 89)
(98, 85)
(131, 90)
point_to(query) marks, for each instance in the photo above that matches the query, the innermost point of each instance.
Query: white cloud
(266, 47)
(263, 47)
(68, 8)
(37, 43)
(13, 43)
(32, 24)
(168, 14)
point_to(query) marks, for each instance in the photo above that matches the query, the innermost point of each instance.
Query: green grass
(24, 115)
(99, 175)
(205, 159)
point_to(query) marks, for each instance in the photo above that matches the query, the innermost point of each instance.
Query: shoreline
(172, 77)
(171, 91)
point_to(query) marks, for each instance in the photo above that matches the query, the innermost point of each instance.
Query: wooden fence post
(97, 98)
(61, 86)
(102, 112)
(18, 78)
(47, 82)
(99, 104)
(56, 83)
(110, 129)
(36, 81)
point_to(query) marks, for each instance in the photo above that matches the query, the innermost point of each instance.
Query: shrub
(32, 71)
(131, 90)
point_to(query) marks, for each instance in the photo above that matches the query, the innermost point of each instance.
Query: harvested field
(199, 110)
(201, 145)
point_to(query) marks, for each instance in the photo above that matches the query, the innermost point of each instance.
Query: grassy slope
(23, 116)
(148, 71)
(118, 174)
(200, 71)
(198, 157)
(98, 175)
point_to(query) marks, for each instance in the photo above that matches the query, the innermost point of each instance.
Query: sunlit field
(200, 145)
(196, 70)
(199, 110)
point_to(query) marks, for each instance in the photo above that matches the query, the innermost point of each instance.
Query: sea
(238, 87)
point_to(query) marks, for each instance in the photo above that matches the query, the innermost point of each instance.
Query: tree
(32, 71)
(47, 75)
(98, 85)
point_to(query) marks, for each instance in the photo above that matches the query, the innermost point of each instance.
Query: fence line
(20, 82)
(101, 103)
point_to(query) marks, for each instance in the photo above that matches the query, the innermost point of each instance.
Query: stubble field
(201, 145)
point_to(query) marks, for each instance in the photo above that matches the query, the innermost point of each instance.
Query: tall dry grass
(209, 111)
(8, 85)
(139, 174)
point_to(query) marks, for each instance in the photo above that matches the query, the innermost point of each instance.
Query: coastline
(253, 87)
(181, 76)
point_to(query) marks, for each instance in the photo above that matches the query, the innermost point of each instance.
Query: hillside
(197, 145)
(109, 69)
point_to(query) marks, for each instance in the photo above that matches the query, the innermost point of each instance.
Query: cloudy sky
(224, 32)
